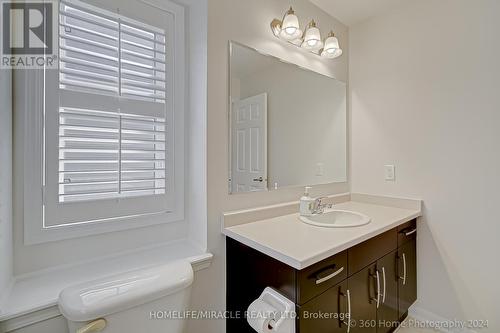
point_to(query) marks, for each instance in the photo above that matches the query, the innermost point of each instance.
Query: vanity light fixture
(312, 37)
(331, 49)
(288, 29)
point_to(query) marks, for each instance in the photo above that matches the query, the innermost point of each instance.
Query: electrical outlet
(389, 172)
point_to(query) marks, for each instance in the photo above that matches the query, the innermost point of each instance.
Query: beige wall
(306, 124)
(425, 96)
(246, 22)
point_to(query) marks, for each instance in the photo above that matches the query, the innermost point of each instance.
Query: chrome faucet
(318, 207)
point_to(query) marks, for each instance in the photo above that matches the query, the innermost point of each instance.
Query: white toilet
(144, 301)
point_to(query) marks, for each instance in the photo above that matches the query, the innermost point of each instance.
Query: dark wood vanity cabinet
(317, 278)
(407, 269)
(387, 312)
(376, 278)
(363, 294)
(332, 301)
(248, 272)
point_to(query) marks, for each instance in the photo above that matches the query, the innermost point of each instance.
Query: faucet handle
(317, 207)
(320, 205)
(319, 200)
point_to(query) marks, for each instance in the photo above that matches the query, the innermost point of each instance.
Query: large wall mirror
(287, 124)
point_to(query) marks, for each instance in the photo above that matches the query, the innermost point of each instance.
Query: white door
(249, 144)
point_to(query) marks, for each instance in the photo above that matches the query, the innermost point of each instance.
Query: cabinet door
(387, 312)
(325, 313)
(363, 292)
(248, 272)
(407, 271)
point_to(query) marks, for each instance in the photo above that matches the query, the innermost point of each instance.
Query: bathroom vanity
(287, 127)
(368, 273)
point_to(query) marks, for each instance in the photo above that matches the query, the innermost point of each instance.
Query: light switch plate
(389, 172)
(320, 169)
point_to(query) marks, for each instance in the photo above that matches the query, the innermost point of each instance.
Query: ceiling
(351, 12)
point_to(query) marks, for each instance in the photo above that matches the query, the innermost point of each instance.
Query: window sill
(39, 291)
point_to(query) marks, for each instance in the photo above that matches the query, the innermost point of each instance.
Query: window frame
(33, 105)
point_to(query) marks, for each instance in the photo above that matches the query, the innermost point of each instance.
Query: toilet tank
(151, 300)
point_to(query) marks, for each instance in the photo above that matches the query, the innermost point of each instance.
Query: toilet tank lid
(105, 296)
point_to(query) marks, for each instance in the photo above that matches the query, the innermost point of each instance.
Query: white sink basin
(337, 219)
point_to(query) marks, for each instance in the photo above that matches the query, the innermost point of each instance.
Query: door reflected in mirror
(287, 124)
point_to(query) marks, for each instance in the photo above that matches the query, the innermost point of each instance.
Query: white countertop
(300, 245)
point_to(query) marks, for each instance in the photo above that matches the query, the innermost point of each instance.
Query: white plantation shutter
(89, 50)
(114, 133)
(105, 54)
(106, 155)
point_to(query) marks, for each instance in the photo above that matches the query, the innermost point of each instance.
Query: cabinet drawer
(333, 304)
(407, 232)
(369, 251)
(315, 279)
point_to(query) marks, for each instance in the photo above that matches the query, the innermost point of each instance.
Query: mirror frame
(229, 112)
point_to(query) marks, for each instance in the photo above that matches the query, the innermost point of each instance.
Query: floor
(407, 327)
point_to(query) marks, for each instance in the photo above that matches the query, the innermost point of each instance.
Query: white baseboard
(431, 319)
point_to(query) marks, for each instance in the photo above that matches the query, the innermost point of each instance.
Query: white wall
(6, 265)
(246, 22)
(196, 137)
(425, 96)
(306, 114)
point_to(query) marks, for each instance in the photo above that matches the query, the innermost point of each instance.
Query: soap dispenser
(306, 202)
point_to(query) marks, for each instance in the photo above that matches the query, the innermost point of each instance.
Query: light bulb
(332, 48)
(312, 37)
(290, 29)
(312, 42)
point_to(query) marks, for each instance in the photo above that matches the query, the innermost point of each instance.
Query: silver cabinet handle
(260, 179)
(377, 299)
(384, 284)
(349, 310)
(348, 323)
(328, 277)
(410, 232)
(404, 270)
